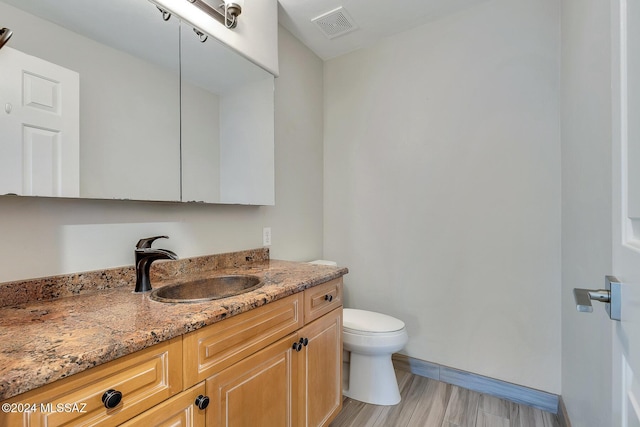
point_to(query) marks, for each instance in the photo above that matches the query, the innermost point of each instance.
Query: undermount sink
(207, 289)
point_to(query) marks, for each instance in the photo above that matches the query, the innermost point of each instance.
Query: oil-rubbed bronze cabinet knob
(111, 398)
(202, 402)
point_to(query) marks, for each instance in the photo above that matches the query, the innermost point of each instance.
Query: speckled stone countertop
(46, 339)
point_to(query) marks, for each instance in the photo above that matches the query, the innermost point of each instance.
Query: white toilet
(371, 338)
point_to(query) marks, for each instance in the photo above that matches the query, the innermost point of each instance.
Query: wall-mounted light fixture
(225, 12)
(5, 35)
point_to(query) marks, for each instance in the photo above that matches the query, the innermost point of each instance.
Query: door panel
(41, 161)
(257, 391)
(320, 394)
(626, 210)
(179, 411)
(40, 125)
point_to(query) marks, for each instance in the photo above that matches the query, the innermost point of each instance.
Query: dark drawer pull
(111, 398)
(328, 297)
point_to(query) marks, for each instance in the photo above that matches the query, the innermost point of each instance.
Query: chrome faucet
(145, 255)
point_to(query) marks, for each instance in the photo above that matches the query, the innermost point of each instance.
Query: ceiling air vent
(335, 23)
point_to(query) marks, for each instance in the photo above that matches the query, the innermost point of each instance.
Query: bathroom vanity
(272, 356)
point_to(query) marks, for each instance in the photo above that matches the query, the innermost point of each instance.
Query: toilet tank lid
(370, 321)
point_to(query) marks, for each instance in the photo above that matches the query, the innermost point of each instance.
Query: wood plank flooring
(430, 403)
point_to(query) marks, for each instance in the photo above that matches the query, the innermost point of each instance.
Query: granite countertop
(46, 340)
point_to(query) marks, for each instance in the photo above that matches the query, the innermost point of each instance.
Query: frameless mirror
(105, 109)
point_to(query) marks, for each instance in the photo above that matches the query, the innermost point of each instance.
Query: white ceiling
(375, 19)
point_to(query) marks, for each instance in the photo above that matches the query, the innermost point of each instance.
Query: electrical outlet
(266, 236)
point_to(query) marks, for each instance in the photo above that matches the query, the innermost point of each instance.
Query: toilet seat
(374, 343)
(363, 322)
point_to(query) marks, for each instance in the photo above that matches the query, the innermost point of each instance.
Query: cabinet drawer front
(179, 411)
(321, 299)
(215, 347)
(144, 378)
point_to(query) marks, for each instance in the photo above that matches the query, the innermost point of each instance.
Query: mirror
(158, 114)
(225, 120)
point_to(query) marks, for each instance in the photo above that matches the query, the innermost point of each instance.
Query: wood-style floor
(430, 403)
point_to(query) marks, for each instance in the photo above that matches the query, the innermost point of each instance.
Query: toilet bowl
(370, 339)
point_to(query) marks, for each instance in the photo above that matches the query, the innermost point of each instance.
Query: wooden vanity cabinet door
(258, 391)
(320, 371)
(321, 299)
(144, 378)
(179, 411)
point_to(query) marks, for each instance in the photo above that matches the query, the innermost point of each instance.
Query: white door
(39, 124)
(626, 210)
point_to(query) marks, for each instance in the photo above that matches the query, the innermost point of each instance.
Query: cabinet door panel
(257, 391)
(320, 371)
(179, 411)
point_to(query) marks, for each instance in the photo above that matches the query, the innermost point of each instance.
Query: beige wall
(42, 237)
(586, 207)
(442, 187)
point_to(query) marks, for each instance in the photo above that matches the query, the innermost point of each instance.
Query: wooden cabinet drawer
(215, 347)
(321, 299)
(179, 411)
(144, 378)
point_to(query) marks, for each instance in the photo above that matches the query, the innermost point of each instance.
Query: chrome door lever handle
(584, 296)
(610, 296)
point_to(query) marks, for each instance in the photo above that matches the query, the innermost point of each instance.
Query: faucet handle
(146, 242)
